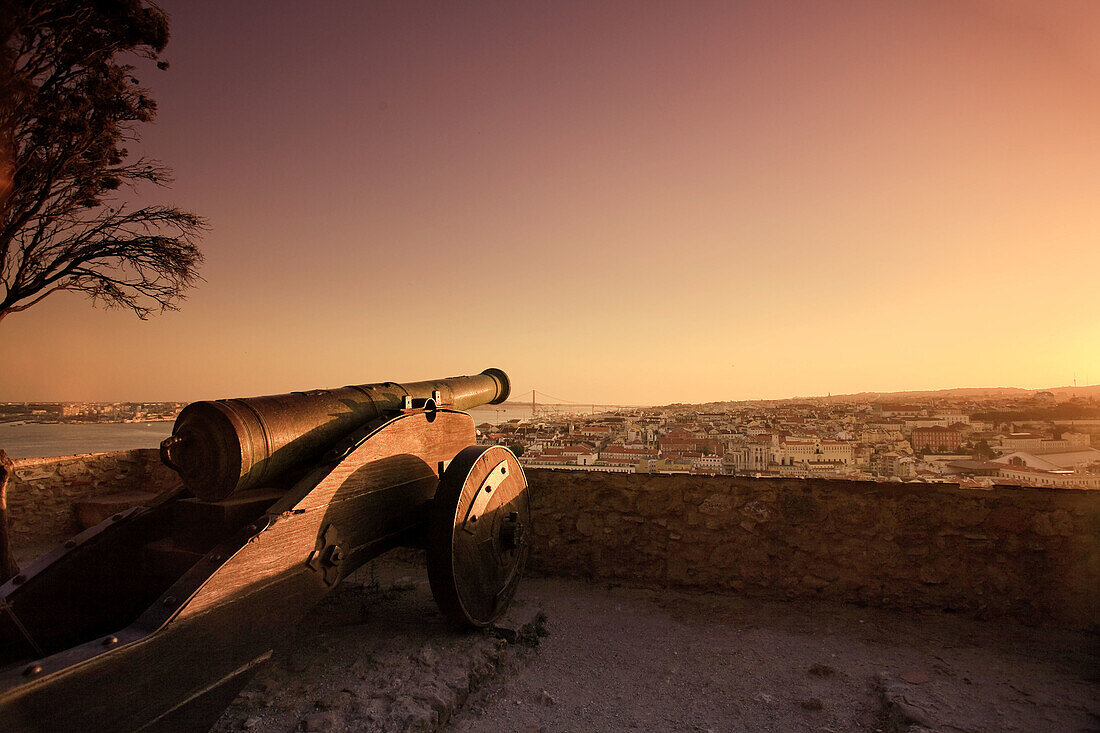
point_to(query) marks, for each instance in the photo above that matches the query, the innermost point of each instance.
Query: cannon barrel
(225, 446)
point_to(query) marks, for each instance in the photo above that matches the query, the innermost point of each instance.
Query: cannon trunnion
(155, 619)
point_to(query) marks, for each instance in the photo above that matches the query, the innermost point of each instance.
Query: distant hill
(923, 395)
(1060, 393)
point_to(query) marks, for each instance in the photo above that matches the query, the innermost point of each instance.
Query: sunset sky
(617, 202)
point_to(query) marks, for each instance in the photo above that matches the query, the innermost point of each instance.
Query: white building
(806, 450)
(1057, 479)
(1063, 460)
(707, 464)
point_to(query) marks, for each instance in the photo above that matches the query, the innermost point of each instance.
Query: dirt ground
(377, 656)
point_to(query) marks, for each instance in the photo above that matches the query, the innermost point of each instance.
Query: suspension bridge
(543, 404)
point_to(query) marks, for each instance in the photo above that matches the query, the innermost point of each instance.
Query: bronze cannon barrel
(224, 446)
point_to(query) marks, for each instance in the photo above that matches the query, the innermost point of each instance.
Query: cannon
(156, 618)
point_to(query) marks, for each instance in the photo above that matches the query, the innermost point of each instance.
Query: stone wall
(1033, 554)
(44, 491)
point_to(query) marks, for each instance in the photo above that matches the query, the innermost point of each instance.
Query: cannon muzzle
(225, 446)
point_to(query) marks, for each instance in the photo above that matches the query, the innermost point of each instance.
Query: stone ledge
(91, 512)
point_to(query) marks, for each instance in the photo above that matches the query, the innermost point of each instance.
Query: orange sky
(615, 202)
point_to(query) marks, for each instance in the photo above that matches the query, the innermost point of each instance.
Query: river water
(38, 440)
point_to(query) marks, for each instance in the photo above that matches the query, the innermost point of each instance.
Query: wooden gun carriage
(154, 619)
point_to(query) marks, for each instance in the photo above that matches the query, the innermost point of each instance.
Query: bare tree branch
(67, 107)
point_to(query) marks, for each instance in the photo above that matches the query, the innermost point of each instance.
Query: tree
(68, 107)
(982, 450)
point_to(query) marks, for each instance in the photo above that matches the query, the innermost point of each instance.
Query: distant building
(673, 465)
(969, 467)
(1052, 460)
(912, 423)
(791, 451)
(682, 443)
(1033, 443)
(707, 464)
(1022, 441)
(900, 410)
(935, 438)
(1056, 479)
(573, 454)
(893, 463)
(594, 431)
(624, 453)
(1077, 440)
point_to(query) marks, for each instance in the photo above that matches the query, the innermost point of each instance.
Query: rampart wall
(43, 493)
(1032, 554)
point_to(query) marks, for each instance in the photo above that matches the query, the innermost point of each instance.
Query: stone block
(716, 505)
(1049, 524)
(799, 508)
(756, 511)
(659, 503)
(913, 538)
(970, 514)
(71, 469)
(612, 500)
(91, 512)
(35, 473)
(1009, 519)
(586, 525)
(814, 582)
(930, 575)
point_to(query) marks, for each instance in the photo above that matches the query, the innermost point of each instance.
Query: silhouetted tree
(68, 107)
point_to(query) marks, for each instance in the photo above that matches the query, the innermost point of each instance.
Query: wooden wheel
(477, 534)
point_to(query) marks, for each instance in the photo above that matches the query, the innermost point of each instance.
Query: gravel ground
(625, 659)
(377, 656)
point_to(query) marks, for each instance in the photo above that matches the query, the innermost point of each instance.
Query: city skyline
(671, 204)
(1019, 438)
